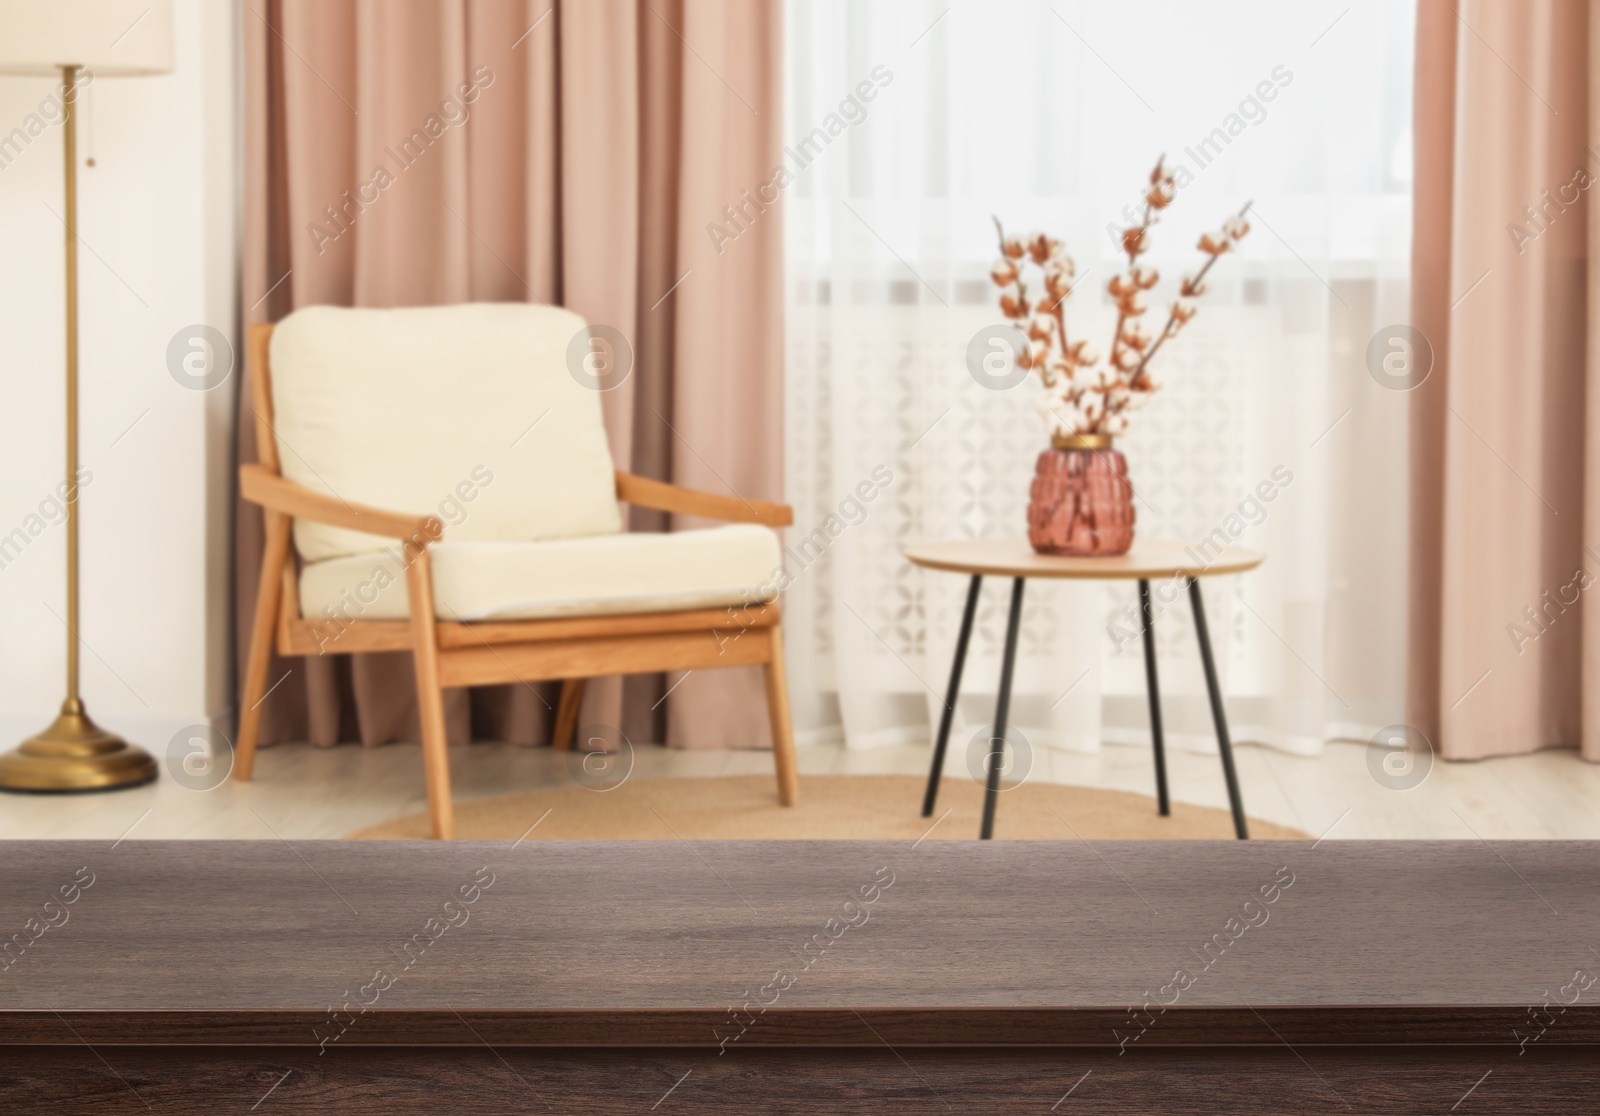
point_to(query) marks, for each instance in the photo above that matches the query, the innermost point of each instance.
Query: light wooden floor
(303, 792)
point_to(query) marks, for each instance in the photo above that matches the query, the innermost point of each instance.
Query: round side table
(1014, 558)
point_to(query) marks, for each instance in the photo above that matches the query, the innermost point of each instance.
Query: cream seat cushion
(429, 409)
(600, 575)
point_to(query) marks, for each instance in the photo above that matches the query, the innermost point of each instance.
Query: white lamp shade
(111, 38)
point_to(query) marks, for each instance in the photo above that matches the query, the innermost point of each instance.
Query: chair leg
(1002, 708)
(1218, 715)
(430, 695)
(1152, 686)
(952, 695)
(783, 757)
(269, 594)
(567, 713)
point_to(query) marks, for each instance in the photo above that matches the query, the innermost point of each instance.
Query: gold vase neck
(1081, 441)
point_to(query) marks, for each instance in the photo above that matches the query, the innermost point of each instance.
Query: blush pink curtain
(1504, 632)
(601, 138)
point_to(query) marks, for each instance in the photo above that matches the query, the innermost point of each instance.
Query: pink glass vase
(1082, 501)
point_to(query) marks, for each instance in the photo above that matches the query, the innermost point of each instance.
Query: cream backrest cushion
(466, 412)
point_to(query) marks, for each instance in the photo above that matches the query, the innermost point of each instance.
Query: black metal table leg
(951, 696)
(1217, 714)
(1002, 707)
(1152, 688)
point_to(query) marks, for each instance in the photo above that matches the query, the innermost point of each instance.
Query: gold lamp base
(75, 755)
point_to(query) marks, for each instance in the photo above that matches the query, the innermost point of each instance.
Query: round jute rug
(838, 807)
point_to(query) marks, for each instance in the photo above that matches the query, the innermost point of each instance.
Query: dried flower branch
(1083, 396)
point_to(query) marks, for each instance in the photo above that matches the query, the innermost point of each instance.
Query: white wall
(158, 219)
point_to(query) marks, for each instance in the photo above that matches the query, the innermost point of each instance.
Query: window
(916, 123)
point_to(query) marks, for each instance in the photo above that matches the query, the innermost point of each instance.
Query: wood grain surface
(871, 1081)
(655, 942)
(1015, 558)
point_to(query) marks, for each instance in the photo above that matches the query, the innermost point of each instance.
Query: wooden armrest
(260, 485)
(646, 493)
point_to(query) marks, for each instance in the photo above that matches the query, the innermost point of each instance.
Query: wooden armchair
(470, 411)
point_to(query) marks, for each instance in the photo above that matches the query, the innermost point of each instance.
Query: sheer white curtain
(912, 123)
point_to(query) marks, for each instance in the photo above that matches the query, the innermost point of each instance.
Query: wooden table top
(651, 942)
(1154, 558)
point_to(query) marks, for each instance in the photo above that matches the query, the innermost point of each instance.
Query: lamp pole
(69, 129)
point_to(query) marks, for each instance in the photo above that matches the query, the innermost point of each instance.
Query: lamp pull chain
(87, 93)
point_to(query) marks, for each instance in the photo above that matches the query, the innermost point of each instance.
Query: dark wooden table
(981, 977)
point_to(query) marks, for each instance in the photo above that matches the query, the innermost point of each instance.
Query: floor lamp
(78, 41)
